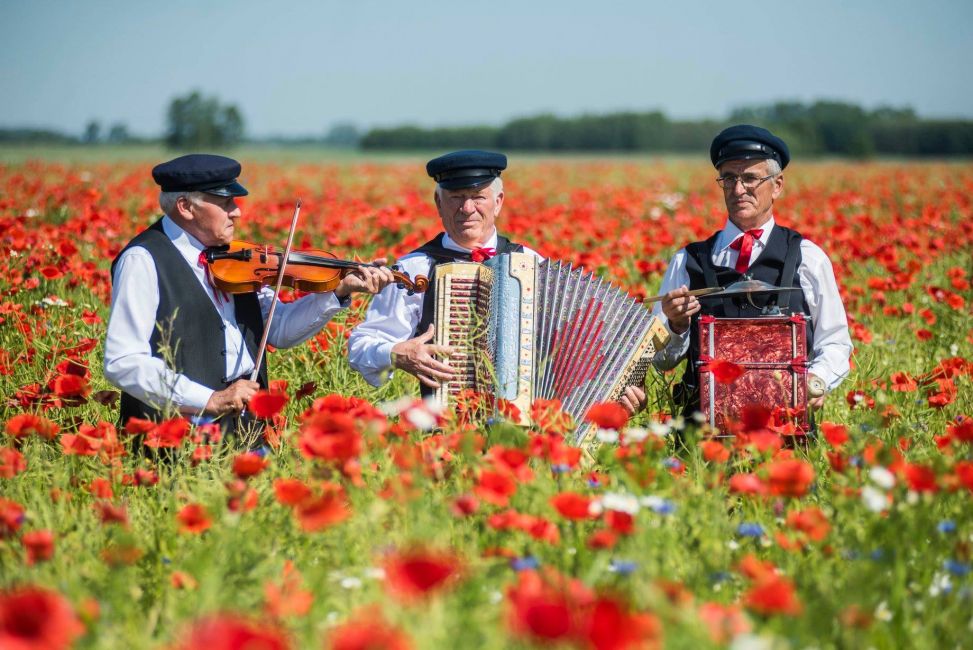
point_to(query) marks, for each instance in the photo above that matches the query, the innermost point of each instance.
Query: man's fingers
(437, 368)
(427, 335)
(427, 381)
(439, 350)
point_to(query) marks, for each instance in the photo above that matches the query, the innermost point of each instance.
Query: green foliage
(195, 121)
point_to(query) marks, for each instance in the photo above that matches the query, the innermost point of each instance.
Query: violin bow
(262, 348)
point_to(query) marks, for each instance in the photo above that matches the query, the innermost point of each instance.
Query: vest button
(223, 353)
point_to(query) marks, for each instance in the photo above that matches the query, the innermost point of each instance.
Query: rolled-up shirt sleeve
(129, 363)
(391, 318)
(296, 322)
(831, 352)
(675, 351)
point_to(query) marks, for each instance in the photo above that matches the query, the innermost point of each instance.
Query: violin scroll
(403, 281)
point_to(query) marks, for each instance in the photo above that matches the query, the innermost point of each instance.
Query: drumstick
(694, 292)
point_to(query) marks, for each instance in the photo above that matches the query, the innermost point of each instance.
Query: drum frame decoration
(773, 353)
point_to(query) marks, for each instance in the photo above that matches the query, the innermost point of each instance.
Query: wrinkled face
(211, 221)
(748, 209)
(469, 215)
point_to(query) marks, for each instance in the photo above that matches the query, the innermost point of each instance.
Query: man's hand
(231, 399)
(418, 357)
(366, 279)
(679, 307)
(633, 399)
(815, 402)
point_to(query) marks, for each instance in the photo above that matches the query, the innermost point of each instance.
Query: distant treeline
(821, 128)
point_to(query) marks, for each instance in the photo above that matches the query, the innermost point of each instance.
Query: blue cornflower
(623, 567)
(956, 568)
(560, 468)
(855, 461)
(749, 529)
(524, 563)
(946, 526)
(877, 555)
(672, 463)
(719, 576)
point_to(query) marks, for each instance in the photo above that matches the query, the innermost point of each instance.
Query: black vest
(195, 328)
(435, 250)
(778, 265)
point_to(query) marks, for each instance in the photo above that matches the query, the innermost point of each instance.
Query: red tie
(481, 254)
(744, 244)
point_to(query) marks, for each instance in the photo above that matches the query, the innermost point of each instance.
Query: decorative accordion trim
(527, 329)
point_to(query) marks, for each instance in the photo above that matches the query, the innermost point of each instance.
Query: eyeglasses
(750, 181)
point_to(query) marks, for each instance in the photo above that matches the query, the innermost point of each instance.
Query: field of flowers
(372, 523)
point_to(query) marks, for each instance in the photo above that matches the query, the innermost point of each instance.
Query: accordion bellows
(526, 329)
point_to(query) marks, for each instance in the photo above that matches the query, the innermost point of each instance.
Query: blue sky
(300, 67)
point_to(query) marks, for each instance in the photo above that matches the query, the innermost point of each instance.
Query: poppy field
(368, 520)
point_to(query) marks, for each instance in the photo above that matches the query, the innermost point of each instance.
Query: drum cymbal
(748, 287)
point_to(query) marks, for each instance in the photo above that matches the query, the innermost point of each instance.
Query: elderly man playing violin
(175, 341)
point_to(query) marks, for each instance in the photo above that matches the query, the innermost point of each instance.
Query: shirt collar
(180, 237)
(730, 232)
(448, 242)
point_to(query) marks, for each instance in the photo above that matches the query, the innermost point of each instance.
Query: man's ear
(184, 208)
(435, 197)
(778, 185)
(499, 201)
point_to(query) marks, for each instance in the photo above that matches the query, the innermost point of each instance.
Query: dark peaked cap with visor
(200, 172)
(746, 142)
(462, 169)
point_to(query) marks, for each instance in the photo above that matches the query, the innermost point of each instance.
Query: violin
(242, 267)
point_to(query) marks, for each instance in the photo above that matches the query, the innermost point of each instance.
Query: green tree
(195, 121)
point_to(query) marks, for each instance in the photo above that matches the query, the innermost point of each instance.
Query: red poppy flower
(33, 617)
(266, 404)
(746, 483)
(609, 625)
(79, 445)
(572, 505)
(248, 464)
(231, 632)
(790, 477)
(288, 596)
(495, 488)
(290, 491)
(12, 462)
(69, 386)
(322, 512)
(109, 513)
(773, 595)
(607, 415)
(603, 539)
(962, 431)
(193, 518)
(920, 478)
(903, 383)
(368, 630)
(101, 488)
(168, 434)
(835, 434)
(23, 425)
(11, 517)
(464, 505)
(811, 521)
(724, 372)
(330, 436)
(714, 451)
(418, 573)
(139, 425)
(621, 522)
(39, 545)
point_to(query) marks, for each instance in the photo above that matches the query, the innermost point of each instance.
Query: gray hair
(773, 167)
(167, 200)
(496, 185)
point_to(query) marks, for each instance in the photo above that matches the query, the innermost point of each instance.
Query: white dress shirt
(129, 363)
(393, 316)
(832, 344)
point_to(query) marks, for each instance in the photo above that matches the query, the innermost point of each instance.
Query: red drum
(772, 350)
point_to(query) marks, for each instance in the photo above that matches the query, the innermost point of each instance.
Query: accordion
(525, 329)
(772, 352)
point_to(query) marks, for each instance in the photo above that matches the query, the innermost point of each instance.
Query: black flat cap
(746, 142)
(200, 172)
(469, 168)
